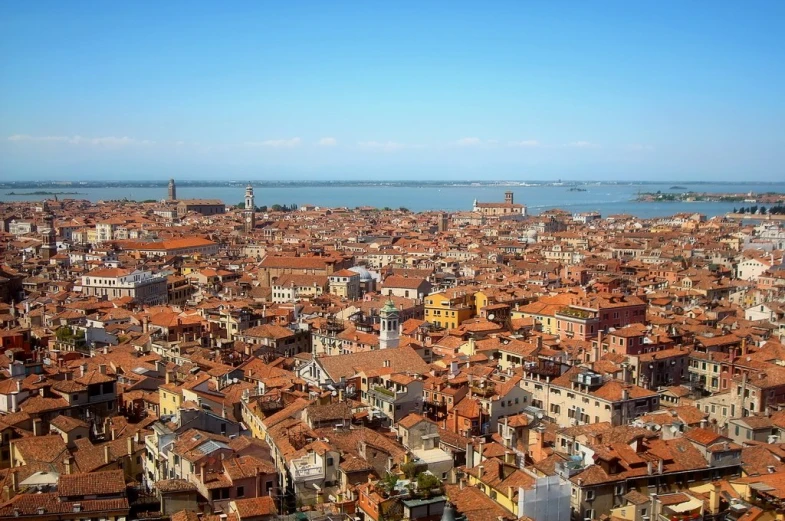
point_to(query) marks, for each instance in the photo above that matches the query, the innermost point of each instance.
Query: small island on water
(677, 187)
(697, 197)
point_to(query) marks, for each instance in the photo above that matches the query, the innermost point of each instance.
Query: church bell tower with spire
(388, 326)
(249, 212)
(48, 242)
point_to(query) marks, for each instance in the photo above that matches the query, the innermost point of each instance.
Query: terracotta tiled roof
(257, 506)
(109, 482)
(50, 503)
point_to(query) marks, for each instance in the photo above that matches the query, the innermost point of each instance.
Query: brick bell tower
(48, 243)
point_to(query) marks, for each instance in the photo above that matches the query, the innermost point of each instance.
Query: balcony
(573, 313)
(383, 394)
(306, 472)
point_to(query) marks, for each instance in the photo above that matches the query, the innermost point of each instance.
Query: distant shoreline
(45, 185)
(43, 192)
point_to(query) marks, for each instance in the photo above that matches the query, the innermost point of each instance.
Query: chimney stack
(714, 498)
(130, 445)
(107, 455)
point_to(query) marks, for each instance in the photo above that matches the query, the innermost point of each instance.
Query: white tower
(388, 328)
(249, 212)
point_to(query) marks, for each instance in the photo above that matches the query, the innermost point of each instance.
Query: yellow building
(543, 312)
(170, 398)
(448, 310)
(481, 299)
(500, 481)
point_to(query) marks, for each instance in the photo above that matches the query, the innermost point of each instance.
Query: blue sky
(423, 90)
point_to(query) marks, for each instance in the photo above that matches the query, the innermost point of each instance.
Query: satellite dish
(491, 316)
(539, 415)
(334, 393)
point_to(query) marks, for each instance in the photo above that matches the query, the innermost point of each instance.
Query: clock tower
(248, 214)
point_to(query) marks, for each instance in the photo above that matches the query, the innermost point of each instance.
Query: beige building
(345, 283)
(506, 209)
(580, 396)
(201, 206)
(113, 283)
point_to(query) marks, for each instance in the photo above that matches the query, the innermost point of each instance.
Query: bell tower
(388, 327)
(172, 190)
(48, 243)
(249, 212)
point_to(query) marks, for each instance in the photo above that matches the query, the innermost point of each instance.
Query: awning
(692, 504)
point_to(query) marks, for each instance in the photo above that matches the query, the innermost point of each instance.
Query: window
(329, 462)
(240, 492)
(589, 495)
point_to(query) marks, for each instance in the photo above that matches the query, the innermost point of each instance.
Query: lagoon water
(608, 199)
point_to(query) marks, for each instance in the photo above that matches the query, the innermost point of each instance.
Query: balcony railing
(307, 472)
(384, 394)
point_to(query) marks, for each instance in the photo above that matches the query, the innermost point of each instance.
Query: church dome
(365, 275)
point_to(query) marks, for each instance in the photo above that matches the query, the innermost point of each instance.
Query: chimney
(469, 455)
(714, 498)
(659, 467)
(19, 386)
(482, 447)
(130, 445)
(509, 492)
(202, 471)
(479, 471)
(538, 342)
(145, 324)
(82, 370)
(67, 464)
(625, 372)
(107, 455)
(14, 481)
(743, 347)
(37, 427)
(704, 423)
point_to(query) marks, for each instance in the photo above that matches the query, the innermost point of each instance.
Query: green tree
(389, 482)
(426, 483)
(409, 469)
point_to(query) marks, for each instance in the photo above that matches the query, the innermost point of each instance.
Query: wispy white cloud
(327, 142)
(526, 143)
(582, 144)
(386, 146)
(468, 142)
(275, 143)
(109, 141)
